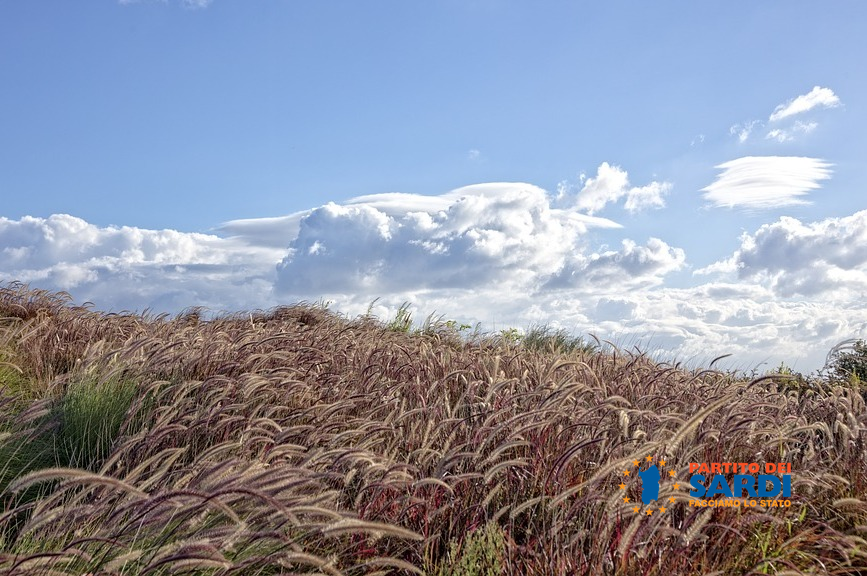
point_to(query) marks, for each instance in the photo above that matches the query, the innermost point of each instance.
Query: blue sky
(686, 176)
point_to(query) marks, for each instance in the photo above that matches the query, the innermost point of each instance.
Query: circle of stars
(649, 511)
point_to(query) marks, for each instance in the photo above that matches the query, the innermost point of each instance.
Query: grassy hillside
(295, 441)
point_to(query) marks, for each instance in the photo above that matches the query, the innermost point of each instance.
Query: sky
(684, 178)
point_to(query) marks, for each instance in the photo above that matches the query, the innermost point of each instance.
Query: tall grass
(90, 416)
(296, 441)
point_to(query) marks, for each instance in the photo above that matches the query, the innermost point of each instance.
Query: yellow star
(662, 462)
(622, 486)
(636, 509)
(626, 472)
(635, 462)
(650, 512)
(626, 499)
(671, 499)
(650, 458)
(671, 473)
(676, 485)
(662, 509)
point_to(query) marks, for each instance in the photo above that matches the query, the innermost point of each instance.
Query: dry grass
(295, 441)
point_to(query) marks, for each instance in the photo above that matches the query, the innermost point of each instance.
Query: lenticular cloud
(765, 182)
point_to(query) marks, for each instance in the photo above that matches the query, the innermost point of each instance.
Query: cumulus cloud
(507, 234)
(126, 267)
(279, 231)
(611, 183)
(764, 182)
(827, 258)
(650, 196)
(503, 234)
(817, 97)
(631, 267)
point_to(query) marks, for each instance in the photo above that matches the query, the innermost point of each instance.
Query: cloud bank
(126, 267)
(503, 254)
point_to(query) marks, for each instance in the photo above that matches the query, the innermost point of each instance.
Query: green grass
(13, 382)
(90, 416)
(481, 554)
(76, 430)
(544, 338)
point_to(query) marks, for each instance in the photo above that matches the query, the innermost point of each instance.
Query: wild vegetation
(297, 441)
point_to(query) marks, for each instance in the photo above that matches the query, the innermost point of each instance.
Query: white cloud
(786, 135)
(745, 320)
(779, 135)
(507, 236)
(611, 183)
(473, 154)
(693, 325)
(764, 182)
(503, 233)
(274, 232)
(743, 131)
(827, 258)
(630, 268)
(501, 254)
(398, 203)
(650, 196)
(130, 267)
(278, 232)
(818, 96)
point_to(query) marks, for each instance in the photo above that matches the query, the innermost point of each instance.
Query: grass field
(296, 441)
